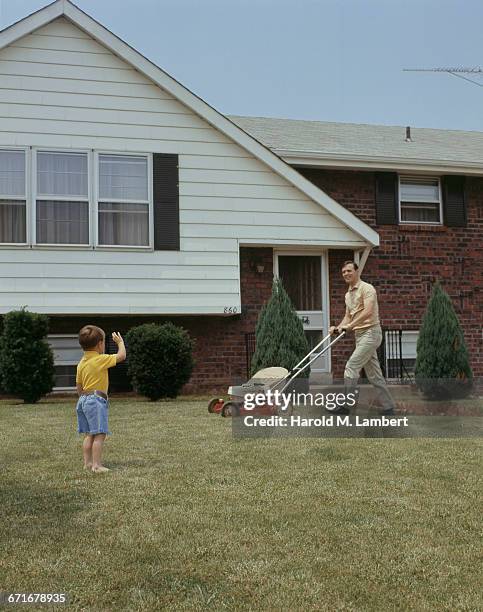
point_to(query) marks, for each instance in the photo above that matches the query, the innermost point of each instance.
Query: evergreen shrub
(442, 365)
(279, 334)
(160, 359)
(26, 359)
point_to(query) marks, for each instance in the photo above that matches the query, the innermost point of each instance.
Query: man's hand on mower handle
(339, 329)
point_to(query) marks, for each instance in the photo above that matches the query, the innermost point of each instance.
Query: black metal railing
(393, 364)
(250, 343)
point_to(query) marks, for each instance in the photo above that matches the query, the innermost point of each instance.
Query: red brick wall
(410, 259)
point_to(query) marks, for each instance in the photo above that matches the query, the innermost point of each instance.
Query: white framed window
(67, 354)
(124, 209)
(75, 198)
(61, 198)
(420, 200)
(13, 196)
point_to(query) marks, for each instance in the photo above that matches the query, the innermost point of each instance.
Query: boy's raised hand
(116, 336)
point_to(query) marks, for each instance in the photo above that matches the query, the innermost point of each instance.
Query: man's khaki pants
(365, 356)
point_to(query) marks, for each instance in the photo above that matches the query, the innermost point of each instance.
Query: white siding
(61, 88)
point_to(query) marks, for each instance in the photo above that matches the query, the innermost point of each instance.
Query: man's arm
(121, 349)
(345, 321)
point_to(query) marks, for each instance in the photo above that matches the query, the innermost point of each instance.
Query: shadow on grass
(27, 507)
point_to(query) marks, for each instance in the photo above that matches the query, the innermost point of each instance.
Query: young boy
(92, 383)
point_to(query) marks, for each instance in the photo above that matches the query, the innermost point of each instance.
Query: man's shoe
(387, 412)
(339, 410)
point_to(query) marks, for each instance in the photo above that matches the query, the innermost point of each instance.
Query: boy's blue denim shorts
(92, 415)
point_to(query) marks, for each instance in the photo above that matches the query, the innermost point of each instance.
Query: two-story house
(125, 198)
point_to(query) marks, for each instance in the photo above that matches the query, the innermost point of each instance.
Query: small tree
(280, 338)
(442, 364)
(160, 359)
(26, 359)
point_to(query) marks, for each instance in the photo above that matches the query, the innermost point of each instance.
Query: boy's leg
(87, 450)
(97, 451)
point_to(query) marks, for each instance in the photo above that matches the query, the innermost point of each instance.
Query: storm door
(304, 277)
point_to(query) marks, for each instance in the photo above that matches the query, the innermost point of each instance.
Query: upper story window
(80, 198)
(123, 200)
(62, 200)
(13, 198)
(420, 200)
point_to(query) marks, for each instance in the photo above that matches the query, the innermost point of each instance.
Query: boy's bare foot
(88, 466)
(100, 469)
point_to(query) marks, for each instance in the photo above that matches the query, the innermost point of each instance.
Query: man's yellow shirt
(92, 371)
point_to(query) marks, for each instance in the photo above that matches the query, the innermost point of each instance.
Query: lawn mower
(273, 379)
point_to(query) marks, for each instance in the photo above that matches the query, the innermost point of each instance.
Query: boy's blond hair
(90, 336)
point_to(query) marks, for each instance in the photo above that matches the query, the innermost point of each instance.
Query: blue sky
(325, 60)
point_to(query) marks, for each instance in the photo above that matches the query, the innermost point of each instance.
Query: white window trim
(19, 198)
(149, 202)
(35, 197)
(440, 201)
(93, 181)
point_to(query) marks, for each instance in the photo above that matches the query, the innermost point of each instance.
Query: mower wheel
(215, 405)
(230, 409)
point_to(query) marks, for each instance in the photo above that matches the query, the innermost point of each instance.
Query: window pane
(66, 349)
(12, 221)
(62, 222)
(419, 212)
(12, 173)
(62, 174)
(420, 190)
(123, 177)
(123, 224)
(301, 278)
(64, 376)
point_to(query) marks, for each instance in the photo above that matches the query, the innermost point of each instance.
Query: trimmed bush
(442, 365)
(280, 338)
(160, 359)
(26, 359)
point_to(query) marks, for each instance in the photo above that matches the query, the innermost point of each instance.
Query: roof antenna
(408, 134)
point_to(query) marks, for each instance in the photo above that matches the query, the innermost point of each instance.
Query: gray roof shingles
(348, 140)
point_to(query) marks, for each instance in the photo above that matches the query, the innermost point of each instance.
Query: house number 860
(230, 309)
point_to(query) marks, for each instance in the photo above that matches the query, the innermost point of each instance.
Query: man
(362, 317)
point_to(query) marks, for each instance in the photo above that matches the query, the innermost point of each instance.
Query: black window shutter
(166, 202)
(454, 204)
(386, 198)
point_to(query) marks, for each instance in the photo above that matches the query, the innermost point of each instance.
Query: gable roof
(64, 8)
(370, 146)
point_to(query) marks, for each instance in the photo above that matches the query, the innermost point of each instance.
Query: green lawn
(191, 519)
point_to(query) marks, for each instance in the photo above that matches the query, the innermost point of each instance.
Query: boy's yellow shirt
(92, 371)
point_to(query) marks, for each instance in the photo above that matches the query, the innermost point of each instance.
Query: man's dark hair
(90, 336)
(346, 263)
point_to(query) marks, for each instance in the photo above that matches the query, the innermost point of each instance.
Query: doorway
(305, 277)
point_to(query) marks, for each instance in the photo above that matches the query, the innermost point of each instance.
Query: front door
(304, 277)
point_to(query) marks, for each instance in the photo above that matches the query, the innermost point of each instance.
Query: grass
(191, 519)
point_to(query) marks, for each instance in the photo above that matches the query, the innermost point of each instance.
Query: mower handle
(297, 367)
